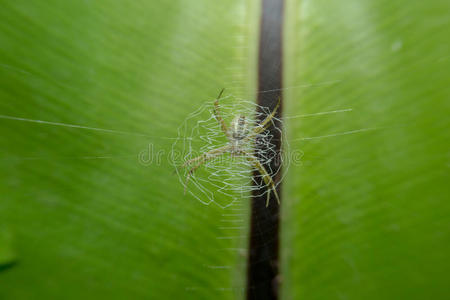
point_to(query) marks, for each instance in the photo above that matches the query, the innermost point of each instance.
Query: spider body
(238, 131)
(240, 138)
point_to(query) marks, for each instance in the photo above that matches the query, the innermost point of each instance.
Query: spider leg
(206, 154)
(266, 177)
(218, 116)
(201, 160)
(266, 122)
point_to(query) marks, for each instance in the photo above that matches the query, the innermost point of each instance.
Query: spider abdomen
(239, 128)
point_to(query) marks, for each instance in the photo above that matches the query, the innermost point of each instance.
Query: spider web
(228, 177)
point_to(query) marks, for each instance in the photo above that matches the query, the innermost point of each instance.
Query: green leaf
(89, 219)
(88, 88)
(365, 212)
(7, 253)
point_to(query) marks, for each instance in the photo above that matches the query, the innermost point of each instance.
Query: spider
(238, 135)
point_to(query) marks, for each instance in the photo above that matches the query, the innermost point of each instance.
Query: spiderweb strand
(78, 126)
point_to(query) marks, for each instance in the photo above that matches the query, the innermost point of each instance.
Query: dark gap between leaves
(263, 279)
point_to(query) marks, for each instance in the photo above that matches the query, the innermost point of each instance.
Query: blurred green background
(365, 212)
(80, 216)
